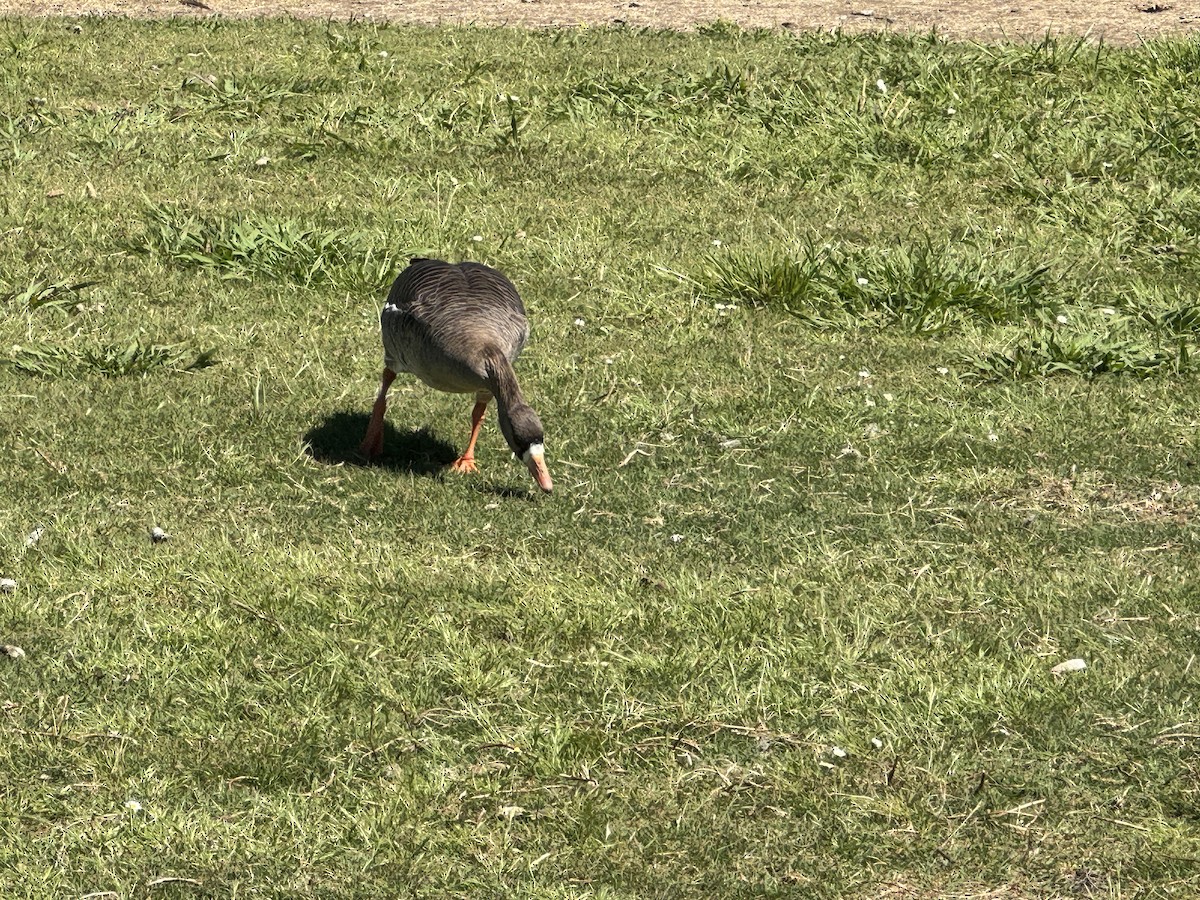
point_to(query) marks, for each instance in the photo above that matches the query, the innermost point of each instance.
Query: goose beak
(535, 459)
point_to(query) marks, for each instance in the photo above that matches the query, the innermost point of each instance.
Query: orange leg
(466, 462)
(372, 444)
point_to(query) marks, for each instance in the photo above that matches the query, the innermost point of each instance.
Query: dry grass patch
(1095, 495)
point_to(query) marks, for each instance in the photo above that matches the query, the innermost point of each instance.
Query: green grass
(865, 409)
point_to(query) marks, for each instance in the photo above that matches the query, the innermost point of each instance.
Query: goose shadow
(335, 441)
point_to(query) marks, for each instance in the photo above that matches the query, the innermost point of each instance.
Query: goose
(459, 327)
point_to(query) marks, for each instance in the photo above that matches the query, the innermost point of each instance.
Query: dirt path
(1121, 22)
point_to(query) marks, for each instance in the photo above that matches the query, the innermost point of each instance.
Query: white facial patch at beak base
(535, 460)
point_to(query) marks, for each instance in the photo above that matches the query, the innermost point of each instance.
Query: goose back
(442, 321)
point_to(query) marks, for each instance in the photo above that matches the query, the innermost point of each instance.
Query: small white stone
(862, 282)
(7, 585)
(477, 238)
(1069, 665)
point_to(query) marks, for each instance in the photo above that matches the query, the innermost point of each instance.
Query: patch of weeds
(40, 293)
(320, 142)
(923, 287)
(647, 95)
(1084, 355)
(1050, 56)
(491, 123)
(241, 98)
(109, 360)
(261, 248)
(1181, 321)
(16, 130)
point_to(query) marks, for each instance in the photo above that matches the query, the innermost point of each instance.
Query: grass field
(867, 367)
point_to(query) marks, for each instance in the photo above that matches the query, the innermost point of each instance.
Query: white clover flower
(862, 282)
(676, 538)
(876, 743)
(881, 85)
(477, 238)
(993, 437)
(579, 323)
(942, 370)
(864, 373)
(716, 242)
(133, 805)
(1061, 319)
(838, 752)
(383, 54)
(950, 110)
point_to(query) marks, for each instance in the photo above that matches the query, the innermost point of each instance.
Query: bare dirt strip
(1125, 22)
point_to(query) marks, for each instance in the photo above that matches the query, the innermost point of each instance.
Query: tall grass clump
(135, 357)
(248, 248)
(919, 286)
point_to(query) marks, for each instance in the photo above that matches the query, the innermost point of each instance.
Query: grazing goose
(459, 328)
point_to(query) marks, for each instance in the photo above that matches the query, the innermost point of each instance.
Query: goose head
(523, 430)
